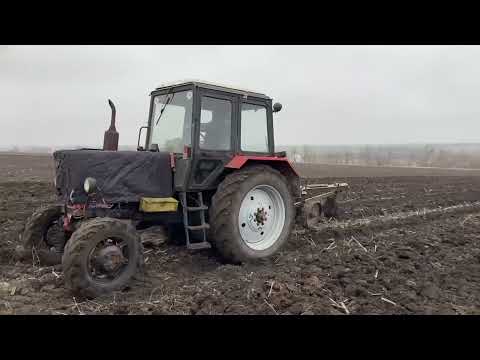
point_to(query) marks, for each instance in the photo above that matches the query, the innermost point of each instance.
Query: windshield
(171, 121)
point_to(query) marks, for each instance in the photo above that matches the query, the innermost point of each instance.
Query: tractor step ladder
(200, 207)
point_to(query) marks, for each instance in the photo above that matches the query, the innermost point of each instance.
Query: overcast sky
(57, 95)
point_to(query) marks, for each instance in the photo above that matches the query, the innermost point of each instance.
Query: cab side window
(254, 131)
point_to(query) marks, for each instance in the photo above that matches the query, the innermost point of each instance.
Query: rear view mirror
(140, 148)
(277, 107)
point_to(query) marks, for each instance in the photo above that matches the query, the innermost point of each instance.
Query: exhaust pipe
(110, 139)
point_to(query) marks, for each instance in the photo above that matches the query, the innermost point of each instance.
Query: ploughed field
(408, 243)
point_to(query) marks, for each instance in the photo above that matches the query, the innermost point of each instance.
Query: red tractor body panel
(239, 161)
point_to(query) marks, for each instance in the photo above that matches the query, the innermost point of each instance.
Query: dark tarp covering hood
(122, 176)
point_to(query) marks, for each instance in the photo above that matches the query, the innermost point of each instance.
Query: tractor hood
(121, 176)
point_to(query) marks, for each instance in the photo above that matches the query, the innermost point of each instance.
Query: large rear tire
(251, 215)
(36, 240)
(90, 274)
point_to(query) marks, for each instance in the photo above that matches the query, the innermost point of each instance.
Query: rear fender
(280, 163)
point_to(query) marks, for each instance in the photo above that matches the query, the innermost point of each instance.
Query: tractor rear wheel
(102, 256)
(251, 215)
(43, 236)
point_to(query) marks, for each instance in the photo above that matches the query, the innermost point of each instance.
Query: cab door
(213, 142)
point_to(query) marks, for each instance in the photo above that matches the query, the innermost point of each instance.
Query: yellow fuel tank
(158, 204)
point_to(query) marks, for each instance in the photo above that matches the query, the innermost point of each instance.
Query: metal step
(198, 227)
(199, 246)
(197, 208)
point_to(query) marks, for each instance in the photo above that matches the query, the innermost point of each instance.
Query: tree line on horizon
(370, 155)
(447, 156)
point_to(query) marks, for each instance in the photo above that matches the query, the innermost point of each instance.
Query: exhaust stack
(110, 139)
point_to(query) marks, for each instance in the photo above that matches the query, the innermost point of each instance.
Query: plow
(312, 208)
(207, 171)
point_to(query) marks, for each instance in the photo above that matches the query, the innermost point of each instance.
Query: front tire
(251, 215)
(37, 236)
(89, 273)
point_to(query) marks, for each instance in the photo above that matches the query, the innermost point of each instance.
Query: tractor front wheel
(43, 236)
(252, 214)
(102, 256)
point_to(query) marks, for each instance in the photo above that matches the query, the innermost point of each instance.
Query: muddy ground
(406, 245)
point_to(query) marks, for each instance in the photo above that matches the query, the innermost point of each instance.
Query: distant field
(22, 167)
(326, 170)
(19, 166)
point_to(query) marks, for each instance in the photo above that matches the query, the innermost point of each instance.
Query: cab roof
(214, 86)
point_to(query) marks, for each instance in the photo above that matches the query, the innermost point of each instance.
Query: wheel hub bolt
(110, 258)
(260, 216)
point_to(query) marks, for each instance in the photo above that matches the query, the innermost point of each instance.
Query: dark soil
(420, 265)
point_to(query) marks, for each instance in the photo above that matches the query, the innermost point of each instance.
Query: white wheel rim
(261, 217)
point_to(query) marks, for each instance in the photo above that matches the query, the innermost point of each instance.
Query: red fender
(238, 161)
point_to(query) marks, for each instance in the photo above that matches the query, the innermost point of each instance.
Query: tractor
(207, 172)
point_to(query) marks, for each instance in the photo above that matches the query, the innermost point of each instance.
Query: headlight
(90, 185)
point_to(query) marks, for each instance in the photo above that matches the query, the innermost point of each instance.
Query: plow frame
(311, 208)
